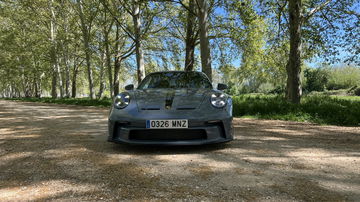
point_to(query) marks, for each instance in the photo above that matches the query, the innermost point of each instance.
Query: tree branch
(316, 9)
(327, 19)
(117, 21)
(126, 8)
(179, 2)
(129, 52)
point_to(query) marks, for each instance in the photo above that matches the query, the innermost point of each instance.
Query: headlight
(218, 100)
(122, 100)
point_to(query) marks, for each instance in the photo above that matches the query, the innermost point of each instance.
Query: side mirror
(129, 87)
(222, 86)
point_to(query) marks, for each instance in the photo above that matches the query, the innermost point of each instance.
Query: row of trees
(66, 47)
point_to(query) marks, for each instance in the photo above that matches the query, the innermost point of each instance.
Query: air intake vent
(185, 108)
(168, 134)
(153, 108)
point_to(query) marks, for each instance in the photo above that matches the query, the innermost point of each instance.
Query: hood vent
(169, 100)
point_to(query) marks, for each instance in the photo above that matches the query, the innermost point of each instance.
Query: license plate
(176, 123)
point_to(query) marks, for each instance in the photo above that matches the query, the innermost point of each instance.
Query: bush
(316, 79)
(278, 90)
(343, 77)
(265, 88)
(357, 91)
(232, 89)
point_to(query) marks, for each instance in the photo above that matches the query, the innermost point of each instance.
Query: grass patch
(69, 101)
(352, 98)
(334, 110)
(316, 109)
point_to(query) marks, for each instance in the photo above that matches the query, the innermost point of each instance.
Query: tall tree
(138, 41)
(293, 87)
(106, 32)
(119, 57)
(86, 25)
(124, 40)
(53, 53)
(204, 38)
(191, 36)
(317, 21)
(141, 26)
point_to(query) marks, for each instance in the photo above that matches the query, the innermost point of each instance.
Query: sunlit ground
(60, 152)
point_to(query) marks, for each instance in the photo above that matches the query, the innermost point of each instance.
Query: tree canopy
(89, 48)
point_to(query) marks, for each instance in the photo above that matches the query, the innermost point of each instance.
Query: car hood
(180, 99)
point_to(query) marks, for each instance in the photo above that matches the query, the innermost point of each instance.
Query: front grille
(167, 134)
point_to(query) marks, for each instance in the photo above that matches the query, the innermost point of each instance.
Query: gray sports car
(172, 108)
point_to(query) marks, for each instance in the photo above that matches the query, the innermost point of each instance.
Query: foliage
(249, 44)
(260, 62)
(343, 77)
(278, 90)
(316, 79)
(342, 97)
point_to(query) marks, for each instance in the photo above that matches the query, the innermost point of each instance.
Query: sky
(318, 61)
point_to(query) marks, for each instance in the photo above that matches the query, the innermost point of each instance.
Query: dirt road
(58, 152)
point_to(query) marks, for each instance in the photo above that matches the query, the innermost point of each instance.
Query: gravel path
(58, 152)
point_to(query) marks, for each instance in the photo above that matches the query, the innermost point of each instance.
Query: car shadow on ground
(162, 149)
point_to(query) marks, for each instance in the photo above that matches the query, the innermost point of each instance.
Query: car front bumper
(198, 133)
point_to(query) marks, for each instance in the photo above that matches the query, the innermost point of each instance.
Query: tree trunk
(89, 71)
(53, 52)
(101, 74)
(293, 66)
(66, 56)
(190, 40)
(37, 79)
(36, 88)
(37, 85)
(116, 61)
(23, 81)
(54, 82)
(108, 56)
(61, 87)
(11, 91)
(109, 68)
(138, 46)
(67, 76)
(116, 75)
(204, 39)
(86, 36)
(39, 88)
(74, 78)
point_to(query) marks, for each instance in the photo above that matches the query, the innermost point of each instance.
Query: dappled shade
(60, 152)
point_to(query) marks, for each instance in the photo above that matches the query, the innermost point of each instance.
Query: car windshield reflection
(175, 80)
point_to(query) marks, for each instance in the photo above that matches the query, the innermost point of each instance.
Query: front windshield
(175, 80)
